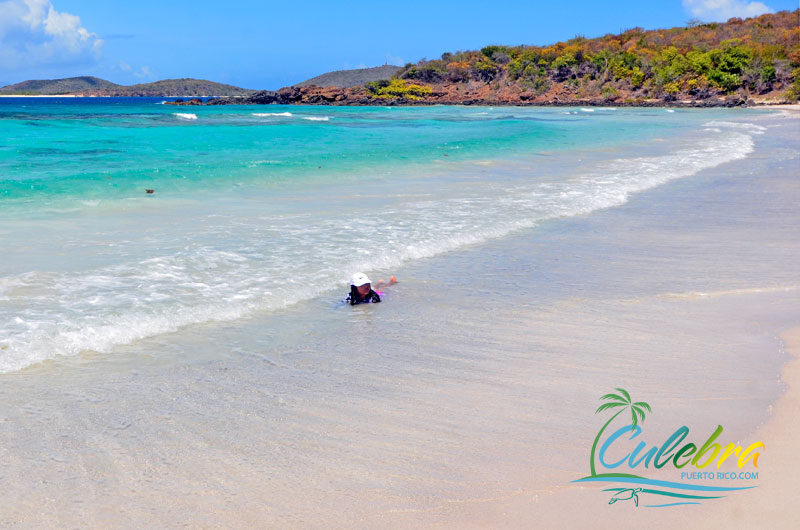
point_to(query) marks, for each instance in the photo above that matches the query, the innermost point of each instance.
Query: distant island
(94, 86)
(193, 88)
(739, 62)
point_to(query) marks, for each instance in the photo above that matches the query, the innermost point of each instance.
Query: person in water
(361, 291)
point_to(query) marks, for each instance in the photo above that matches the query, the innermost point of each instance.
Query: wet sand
(466, 400)
(774, 503)
(771, 505)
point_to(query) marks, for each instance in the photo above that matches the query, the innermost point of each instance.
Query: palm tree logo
(622, 401)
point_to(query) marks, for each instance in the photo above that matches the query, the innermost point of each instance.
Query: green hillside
(752, 57)
(348, 78)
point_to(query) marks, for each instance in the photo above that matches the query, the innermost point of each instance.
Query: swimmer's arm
(383, 283)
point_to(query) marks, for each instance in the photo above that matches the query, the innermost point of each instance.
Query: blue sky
(263, 44)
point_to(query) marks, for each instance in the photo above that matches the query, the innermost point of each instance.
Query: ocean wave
(749, 127)
(256, 163)
(733, 292)
(266, 114)
(587, 110)
(47, 314)
(185, 115)
(317, 118)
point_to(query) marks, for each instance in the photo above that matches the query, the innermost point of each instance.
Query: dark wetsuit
(354, 298)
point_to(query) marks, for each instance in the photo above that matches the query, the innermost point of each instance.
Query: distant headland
(739, 62)
(94, 86)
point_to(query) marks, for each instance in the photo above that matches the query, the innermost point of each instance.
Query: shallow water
(529, 286)
(255, 213)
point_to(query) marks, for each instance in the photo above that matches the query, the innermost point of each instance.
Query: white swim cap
(359, 279)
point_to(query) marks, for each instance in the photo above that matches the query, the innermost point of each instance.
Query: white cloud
(395, 60)
(722, 10)
(34, 35)
(144, 73)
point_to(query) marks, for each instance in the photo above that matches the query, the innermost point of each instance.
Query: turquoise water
(259, 207)
(184, 359)
(97, 149)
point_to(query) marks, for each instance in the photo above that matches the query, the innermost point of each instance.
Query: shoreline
(764, 507)
(767, 506)
(43, 96)
(336, 97)
(417, 413)
(322, 102)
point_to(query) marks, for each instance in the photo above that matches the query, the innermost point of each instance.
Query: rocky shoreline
(453, 94)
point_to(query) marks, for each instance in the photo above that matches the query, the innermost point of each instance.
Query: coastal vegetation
(397, 88)
(752, 57)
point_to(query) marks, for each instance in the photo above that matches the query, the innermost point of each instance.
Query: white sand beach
(466, 399)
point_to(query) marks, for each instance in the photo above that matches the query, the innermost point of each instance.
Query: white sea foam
(316, 118)
(45, 314)
(185, 115)
(256, 163)
(749, 127)
(732, 292)
(266, 114)
(587, 110)
(669, 110)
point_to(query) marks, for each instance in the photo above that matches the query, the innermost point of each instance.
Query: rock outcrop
(455, 94)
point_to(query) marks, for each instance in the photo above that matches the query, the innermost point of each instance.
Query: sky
(263, 44)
